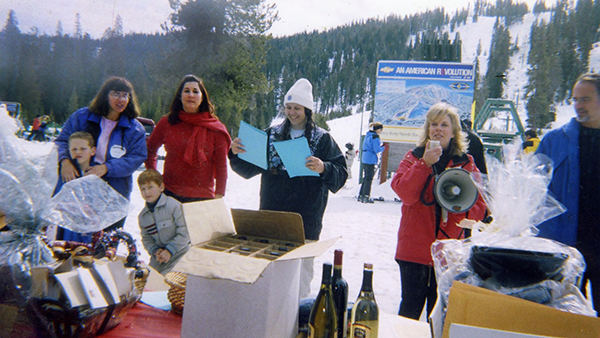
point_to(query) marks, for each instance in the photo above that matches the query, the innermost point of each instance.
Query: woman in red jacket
(442, 145)
(196, 143)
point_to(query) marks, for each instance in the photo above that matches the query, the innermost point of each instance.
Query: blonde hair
(437, 112)
(82, 135)
(150, 176)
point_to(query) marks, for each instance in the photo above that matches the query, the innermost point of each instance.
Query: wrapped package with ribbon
(58, 289)
(504, 254)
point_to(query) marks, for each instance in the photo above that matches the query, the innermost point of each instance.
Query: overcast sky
(146, 15)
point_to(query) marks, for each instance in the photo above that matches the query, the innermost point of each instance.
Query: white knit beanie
(300, 93)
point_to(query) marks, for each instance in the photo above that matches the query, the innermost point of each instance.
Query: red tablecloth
(146, 321)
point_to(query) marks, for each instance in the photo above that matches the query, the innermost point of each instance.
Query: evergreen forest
(247, 71)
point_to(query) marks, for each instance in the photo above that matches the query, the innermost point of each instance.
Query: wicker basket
(141, 278)
(176, 293)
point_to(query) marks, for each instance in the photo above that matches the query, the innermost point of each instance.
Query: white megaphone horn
(455, 191)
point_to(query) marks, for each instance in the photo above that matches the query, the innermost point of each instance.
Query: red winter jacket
(198, 178)
(417, 226)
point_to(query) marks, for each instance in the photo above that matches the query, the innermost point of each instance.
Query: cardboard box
(243, 271)
(2, 220)
(475, 306)
(467, 331)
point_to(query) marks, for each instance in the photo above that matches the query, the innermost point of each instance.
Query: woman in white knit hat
(306, 195)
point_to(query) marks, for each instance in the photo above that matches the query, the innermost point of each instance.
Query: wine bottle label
(360, 331)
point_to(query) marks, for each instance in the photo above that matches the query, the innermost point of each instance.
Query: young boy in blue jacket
(81, 150)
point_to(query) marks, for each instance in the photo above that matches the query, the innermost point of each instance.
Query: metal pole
(360, 167)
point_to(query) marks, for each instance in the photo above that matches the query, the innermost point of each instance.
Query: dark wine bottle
(365, 313)
(340, 294)
(322, 322)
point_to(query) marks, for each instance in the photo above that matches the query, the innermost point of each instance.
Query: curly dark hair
(100, 104)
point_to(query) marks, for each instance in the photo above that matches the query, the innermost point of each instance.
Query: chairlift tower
(498, 123)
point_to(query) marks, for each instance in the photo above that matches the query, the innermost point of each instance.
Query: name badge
(117, 151)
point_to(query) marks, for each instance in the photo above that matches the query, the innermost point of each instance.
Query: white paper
(104, 272)
(121, 277)
(72, 287)
(91, 288)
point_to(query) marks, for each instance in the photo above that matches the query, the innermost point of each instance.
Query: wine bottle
(365, 313)
(322, 322)
(340, 294)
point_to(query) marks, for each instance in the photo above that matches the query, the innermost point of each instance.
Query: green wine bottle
(365, 313)
(322, 322)
(340, 294)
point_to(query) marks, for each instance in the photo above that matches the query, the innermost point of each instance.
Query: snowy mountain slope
(368, 231)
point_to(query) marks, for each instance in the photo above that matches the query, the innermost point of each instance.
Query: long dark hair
(310, 124)
(177, 105)
(100, 104)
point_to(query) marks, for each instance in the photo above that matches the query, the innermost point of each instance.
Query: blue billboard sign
(405, 90)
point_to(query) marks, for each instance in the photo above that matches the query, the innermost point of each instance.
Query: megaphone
(455, 191)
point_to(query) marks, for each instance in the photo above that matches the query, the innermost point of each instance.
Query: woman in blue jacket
(371, 148)
(120, 139)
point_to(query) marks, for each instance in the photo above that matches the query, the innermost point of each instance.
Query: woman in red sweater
(196, 143)
(442, 145)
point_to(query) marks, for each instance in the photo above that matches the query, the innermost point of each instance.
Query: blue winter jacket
(371, 147)
(562, 146)
(126, 146)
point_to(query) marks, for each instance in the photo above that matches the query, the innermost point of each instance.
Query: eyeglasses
(582, 100)
(119, 95)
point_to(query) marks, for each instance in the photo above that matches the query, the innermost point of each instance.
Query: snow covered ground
(368, 231)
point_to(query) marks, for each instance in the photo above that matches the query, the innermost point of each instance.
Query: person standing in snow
(531, 142)
(306, 195)
(120, 139)
(574, 149)
(196, 143)
(372, 147)
(350, 155)
(35, 128)
(422, 219)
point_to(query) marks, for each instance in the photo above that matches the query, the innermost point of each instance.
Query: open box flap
(284, 226)
(207, 220)
(213, 264)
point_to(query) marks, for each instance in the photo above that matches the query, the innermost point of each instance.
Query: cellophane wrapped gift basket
(505, 255)
(60, 289)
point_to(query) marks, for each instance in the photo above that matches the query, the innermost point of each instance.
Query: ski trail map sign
(405, 90)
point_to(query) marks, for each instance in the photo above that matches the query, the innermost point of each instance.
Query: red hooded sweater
(196, 157)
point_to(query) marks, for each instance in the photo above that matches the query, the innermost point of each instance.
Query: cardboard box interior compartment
(243, 270)
(479, 307)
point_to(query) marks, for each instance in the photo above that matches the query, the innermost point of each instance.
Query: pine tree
(498, 61)
(544, 75)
